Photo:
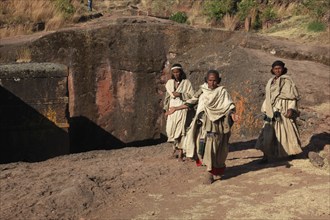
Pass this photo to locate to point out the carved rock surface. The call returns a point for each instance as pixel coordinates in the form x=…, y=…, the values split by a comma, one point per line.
x=34, y=102
x=118, y=67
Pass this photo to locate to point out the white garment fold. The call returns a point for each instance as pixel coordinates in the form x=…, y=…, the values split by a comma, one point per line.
x=175, y=125
x=215, y=103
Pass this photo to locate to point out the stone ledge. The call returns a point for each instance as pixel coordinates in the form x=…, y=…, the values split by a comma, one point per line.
x=32, y=70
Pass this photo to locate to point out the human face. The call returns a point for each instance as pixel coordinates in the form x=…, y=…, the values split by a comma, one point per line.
x=176, y=74
x=277, y=70
x=212, y=81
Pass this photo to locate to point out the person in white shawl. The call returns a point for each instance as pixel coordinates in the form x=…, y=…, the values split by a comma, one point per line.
x=178, y=90
x=280, y=137
x=208, y=135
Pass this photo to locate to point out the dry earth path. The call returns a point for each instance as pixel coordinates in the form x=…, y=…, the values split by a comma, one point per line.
x=144, y=183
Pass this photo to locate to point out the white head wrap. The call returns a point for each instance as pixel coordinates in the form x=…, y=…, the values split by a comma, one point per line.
x=176, y=67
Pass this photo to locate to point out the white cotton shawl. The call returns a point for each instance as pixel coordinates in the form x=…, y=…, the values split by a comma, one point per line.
x=286, y=89
x=176, y=121
x=215, y=103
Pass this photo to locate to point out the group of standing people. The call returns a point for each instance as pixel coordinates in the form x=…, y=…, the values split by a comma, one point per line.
x=204, y=138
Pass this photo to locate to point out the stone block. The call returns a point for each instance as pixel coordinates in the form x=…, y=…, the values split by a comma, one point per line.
x=34, y=110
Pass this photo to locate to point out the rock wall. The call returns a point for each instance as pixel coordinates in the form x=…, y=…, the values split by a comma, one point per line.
x=34, y=107
x=115, y=76
x=117, y=69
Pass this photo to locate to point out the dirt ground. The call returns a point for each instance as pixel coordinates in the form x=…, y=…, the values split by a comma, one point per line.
x=145, y=183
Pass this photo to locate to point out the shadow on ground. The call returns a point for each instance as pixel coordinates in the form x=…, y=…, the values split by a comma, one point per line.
x=317, y=143
x=242, y=145
x=251, y=167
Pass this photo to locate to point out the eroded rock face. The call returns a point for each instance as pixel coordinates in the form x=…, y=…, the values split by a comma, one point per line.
x=34, y=106
x=118, y=67
x=115, y=85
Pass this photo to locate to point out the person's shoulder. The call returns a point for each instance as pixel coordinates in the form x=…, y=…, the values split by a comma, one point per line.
x=203, y=86
x=222, y=89
x=169, y=81
x=186, y=81
x=270, y=79
x=287, y=78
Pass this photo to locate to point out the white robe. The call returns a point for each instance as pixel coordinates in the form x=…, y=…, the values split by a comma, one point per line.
x=175, y=125
x=216, y=104
x=280, y=138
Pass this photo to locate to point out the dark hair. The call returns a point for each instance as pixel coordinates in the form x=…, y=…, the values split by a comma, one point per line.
x=213, y=72
x=182, y=73
x=281, y=64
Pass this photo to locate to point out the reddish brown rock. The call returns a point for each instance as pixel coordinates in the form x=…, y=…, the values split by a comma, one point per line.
x=118, y=66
